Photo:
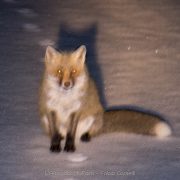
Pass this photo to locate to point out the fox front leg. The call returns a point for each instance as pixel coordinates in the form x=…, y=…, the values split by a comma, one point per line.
x=56, y=137
x=70, y=138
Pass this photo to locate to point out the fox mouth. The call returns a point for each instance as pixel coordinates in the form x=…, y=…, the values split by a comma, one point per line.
x=67, y=88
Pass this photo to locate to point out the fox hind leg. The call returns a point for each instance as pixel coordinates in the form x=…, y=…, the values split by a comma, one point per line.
x=95, y=124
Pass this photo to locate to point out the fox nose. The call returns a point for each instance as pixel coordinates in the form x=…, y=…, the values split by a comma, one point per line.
x=67, y=84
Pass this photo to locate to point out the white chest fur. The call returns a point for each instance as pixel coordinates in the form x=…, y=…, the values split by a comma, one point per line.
x=64, y=102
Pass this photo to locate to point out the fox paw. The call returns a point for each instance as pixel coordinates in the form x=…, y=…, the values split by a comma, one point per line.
x=69, y=146
x=56, y=143
x=55, y=148
x=85, y=137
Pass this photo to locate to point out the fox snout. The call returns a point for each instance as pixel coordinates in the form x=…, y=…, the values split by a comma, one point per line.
x=67, y=85
x=66, y=81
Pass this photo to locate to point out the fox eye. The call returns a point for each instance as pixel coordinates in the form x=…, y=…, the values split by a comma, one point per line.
x=59, y=72
x=73, y=71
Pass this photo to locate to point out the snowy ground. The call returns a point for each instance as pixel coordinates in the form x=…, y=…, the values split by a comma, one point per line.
x=134, y=55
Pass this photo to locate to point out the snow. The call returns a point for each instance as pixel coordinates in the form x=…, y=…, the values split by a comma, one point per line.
x=129, y=48
x=46, y=42
x=10, y=1
x=27, y=12
x=77, y=157
x=122, y=38
x=31, y=27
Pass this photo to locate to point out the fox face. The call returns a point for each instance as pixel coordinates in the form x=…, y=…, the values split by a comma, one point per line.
x=65, y=67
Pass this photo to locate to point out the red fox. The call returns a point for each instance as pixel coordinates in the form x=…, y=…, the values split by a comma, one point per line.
x=70, y=107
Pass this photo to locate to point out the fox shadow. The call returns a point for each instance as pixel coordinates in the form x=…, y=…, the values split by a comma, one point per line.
x=70, y=39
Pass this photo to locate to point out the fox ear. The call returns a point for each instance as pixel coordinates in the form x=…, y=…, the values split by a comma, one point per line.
x=80, y=54
x=51, y=53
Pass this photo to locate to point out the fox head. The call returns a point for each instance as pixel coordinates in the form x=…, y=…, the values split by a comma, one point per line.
x=66, y=67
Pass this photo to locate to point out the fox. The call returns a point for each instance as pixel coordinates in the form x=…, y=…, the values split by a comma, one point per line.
x=70, y=107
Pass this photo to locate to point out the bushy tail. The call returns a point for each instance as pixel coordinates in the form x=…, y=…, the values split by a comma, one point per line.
x=135, y=122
